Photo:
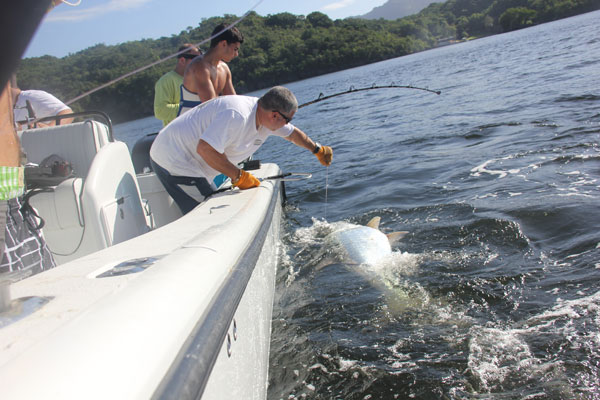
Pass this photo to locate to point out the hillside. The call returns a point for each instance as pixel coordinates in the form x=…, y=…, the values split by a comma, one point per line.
x=395, y=9
x=280, y=48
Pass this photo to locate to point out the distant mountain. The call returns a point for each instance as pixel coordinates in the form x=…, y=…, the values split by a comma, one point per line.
x=395, y=9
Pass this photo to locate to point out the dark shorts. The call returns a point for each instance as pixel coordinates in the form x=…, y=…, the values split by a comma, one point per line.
x=24, y=247
x=184, y=201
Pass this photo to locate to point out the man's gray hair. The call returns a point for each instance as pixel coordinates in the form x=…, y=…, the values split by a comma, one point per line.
x=280, y=99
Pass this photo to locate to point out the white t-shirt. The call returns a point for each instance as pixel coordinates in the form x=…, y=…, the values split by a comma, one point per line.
x=227, y=123
x=43, y=104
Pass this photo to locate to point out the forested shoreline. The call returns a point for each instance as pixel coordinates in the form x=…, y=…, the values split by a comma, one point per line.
x=281, y=48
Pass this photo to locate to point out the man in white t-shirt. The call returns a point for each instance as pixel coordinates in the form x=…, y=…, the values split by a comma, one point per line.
x=41, y=104
x=215, y=136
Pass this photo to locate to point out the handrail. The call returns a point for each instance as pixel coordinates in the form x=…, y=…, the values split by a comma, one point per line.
x=188, y=375
x=92, y=114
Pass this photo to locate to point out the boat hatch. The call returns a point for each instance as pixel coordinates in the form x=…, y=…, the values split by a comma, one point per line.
x=130, y=267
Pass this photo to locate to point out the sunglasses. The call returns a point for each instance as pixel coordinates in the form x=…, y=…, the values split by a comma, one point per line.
x=287, y=119
x=188, y=56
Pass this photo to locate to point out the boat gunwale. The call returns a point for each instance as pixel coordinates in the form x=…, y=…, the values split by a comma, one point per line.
x=188, y=375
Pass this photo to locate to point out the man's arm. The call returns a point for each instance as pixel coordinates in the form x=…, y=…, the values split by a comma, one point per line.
x=217, y=160
x=65, y=121
x=10, y=148
x=301, y=139
x=228, y=89
x=323, y=153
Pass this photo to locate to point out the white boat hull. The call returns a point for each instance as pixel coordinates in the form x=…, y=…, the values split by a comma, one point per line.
x=195, y=323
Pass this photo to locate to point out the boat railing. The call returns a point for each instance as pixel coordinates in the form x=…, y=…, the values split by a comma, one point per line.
x=92, y=114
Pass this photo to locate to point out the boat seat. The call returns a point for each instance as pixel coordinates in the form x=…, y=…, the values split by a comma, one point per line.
x=77, y=143
x=101, y=205
x=61, y=208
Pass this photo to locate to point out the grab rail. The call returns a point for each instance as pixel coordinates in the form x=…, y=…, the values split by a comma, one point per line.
x=85, y=114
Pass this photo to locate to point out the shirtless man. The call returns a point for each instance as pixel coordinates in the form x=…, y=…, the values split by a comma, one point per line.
x=209, y=76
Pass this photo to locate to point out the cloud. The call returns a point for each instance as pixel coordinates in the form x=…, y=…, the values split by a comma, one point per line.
x=337, y=5
x=77, y=14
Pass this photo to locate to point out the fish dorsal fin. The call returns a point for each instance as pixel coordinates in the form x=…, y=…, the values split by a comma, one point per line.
x=374, y=223
x=395, y=236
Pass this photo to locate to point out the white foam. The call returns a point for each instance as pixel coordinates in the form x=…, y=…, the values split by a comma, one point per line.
x=501, y=357
x=482, y=169
x=319, y=366
x=496, y=355
x=346, y=365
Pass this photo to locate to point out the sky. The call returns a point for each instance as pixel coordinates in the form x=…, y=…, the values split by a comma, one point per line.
x=68, y=29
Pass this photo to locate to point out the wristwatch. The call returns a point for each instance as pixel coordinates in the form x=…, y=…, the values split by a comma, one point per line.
x=317, y=147
x=237, y=180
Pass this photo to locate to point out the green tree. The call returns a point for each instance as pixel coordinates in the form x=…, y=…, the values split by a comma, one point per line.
x=319, y=20
x=517, y=18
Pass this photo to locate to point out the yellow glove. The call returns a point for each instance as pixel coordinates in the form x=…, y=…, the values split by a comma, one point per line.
x=324, y=154
x=245, y=181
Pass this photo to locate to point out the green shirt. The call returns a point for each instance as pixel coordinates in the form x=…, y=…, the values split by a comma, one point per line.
x=11, y=182
x=167, y=96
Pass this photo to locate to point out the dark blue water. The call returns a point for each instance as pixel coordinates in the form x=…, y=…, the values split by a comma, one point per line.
x=495, y=292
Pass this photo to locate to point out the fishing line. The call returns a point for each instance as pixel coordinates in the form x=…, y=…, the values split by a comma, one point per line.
x=127, y=75
x=326, y=188
x=353, y=90
x=71, y=4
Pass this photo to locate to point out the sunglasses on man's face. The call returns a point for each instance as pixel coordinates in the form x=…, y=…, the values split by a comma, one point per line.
x=286, y=118
x=189, y=56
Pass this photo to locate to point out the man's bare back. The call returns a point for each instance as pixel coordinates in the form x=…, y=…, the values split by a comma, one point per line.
x=208, y=80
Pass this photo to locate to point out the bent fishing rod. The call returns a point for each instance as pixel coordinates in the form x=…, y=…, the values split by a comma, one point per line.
x=352, y=89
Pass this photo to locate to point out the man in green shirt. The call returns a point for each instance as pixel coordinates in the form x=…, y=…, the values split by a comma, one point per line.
x=167, y=88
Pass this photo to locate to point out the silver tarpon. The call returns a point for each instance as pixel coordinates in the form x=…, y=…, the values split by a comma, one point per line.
x=364, y=244
x=368, y=252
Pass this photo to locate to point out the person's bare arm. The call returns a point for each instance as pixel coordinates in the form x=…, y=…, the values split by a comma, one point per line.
x=65, y=121
x=323, y=153
x=9, y=140
x=301, y=139
x=228, y=89
x=217, y=160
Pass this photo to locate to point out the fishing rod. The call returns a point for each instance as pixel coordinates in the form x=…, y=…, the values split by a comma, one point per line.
x=285, y=177
x=289, y=177
x=353, y=90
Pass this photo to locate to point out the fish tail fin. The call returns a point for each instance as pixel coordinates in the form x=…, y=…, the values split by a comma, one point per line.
x=395, y=236
x=374, y=222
